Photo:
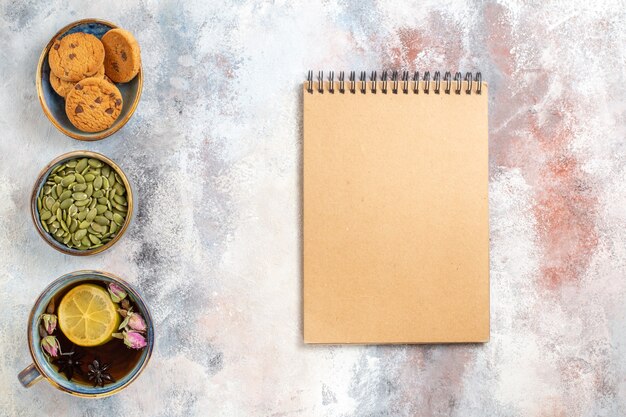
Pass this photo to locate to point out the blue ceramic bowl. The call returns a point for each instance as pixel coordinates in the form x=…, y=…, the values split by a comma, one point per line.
x=54, y=105
x=41, y=368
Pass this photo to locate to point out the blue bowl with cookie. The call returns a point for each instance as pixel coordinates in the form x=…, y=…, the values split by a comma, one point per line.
x=89, y=79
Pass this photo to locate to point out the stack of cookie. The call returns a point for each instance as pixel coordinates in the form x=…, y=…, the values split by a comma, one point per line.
x=84, y=70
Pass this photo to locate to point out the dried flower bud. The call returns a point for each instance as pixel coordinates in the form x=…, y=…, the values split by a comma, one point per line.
x=50, y=308
x=116, y=292
x=134, y=340
x=51, y=346
x=42, y=331
x=136, y=322
x=49, y=322
x=122, y=312
x=125, y=304
x=118, y=335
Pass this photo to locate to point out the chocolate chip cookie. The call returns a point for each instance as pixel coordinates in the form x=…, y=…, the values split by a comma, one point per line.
x=76, y=56
x=93, y=105
x=62, y=87
x=122, y=56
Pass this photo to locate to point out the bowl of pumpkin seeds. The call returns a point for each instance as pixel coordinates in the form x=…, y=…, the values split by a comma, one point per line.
x=82, y=203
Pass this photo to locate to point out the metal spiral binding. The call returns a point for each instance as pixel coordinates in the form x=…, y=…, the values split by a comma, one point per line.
x=469, y=80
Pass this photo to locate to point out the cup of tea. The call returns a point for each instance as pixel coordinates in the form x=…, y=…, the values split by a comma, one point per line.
x=90, y=334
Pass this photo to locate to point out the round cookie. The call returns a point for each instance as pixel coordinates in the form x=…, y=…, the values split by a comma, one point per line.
x=62, y=87
x=76, y=56
x=93, y=105
x=122, y=58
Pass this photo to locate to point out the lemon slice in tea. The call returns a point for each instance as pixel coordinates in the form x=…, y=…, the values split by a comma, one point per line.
x=87, y=316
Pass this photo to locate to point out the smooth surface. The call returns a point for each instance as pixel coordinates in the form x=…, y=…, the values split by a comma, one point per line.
x=395, y=216
x=213, y=154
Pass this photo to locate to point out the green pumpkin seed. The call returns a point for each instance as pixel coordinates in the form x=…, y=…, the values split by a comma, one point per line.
x=81, y=165
x=68, y=180
x=79, y=234
x=102, y=221
x=81, y=203
x=120, y=199
x=118, y=219
x=65, y=195
x=64, y=226
x=97, y=183
x=65, y=204
x=119, y=188
x=44, y=215
x=92, y=214
x=120, y=207
x=121, y=213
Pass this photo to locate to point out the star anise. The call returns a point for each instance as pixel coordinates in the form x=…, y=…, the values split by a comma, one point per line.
x=69, y=363
x=98, y=373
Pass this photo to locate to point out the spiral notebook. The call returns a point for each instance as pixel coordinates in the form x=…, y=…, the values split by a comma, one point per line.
x=395, y=210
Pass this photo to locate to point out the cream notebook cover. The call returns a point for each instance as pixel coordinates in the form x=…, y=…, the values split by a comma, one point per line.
x=395, y=214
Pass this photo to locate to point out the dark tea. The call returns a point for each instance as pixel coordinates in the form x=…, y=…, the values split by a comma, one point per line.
x=92, y=333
